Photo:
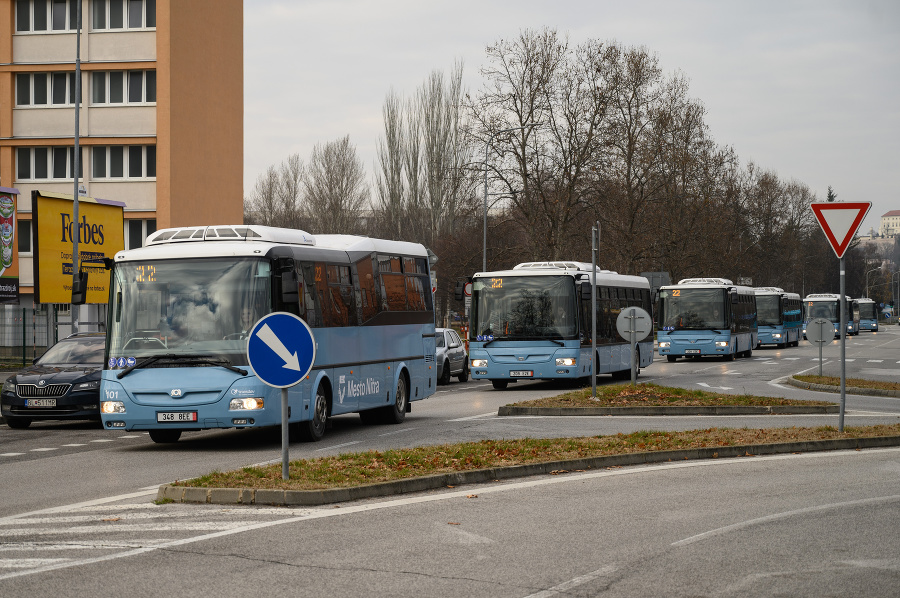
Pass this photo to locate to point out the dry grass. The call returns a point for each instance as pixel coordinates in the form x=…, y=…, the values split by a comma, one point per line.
x=648, y=394
x=355, y=469
x=855, y=382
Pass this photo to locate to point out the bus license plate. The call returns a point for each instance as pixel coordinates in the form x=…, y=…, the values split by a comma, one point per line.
x=690, y=351
x=521, y=374
x=40, y=402
x=177, y=416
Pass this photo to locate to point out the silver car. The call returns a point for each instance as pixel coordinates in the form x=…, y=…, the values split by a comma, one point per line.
x=451, y=357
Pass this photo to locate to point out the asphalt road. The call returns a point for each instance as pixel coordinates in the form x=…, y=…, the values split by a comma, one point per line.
x=78, y=517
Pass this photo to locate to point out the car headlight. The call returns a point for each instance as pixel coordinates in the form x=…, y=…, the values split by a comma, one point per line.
x=565, y=361
x=9, y=386
x=112, y=407
x=479, y=363
x=246, y=404
x=721, y=343
x=92, y=385
x=664, y=344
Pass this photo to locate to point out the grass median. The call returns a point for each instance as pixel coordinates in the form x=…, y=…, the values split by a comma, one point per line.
x=370, y=467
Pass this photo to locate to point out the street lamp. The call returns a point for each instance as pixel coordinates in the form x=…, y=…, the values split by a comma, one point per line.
x=487, y=146
x=867, y=279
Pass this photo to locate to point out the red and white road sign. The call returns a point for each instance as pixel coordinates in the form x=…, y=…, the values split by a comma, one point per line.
x=839, y=221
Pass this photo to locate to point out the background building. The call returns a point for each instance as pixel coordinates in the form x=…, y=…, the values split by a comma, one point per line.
x=890, y=224
x=161, y=121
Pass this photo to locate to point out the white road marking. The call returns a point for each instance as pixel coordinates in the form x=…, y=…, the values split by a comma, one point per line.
x=39, y=450
x=565, y=586
x=328, y=448
x=11, y=454
x=463, y=419
x=76, y=444
x=881, y=500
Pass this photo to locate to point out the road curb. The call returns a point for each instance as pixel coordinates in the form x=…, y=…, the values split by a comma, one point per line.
x=510, y=410
x=253, y=496
x=855, y=390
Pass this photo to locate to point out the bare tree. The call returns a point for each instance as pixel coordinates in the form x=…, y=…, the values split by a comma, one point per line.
x=335, y=189
x=389, y=180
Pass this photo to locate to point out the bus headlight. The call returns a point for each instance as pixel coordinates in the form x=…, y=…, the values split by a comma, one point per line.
x=246, y=404
x=112, y=407
x=721, y=343
x=479, y=363
x=664, y=344
x=565, y=361
x=776, y=335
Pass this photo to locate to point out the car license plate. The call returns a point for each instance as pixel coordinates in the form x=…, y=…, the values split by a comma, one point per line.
x=690, y=351
x=521, y=374
x=177, y=416
x=40, y=402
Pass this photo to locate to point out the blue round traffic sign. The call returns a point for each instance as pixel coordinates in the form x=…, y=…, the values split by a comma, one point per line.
x=281, y=349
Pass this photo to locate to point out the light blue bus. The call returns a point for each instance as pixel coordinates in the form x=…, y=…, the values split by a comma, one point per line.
x=534, y=323
x=779, y=317
x=828, y=306
x=180, y=309
x=705, y=317
x=868, y=314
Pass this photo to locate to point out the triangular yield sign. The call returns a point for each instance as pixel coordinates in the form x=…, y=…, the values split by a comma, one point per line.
x=839, y=221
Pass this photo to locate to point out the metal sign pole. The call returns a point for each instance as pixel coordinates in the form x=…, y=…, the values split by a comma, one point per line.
x=595, y=243
x=633, y=339
x=843, y=346
x=285, y=437
x=821, y=344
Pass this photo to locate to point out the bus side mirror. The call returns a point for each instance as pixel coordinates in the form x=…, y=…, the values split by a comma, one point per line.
x=79, y=288
x=586, y=291
x=290, y=292
x=459, y=291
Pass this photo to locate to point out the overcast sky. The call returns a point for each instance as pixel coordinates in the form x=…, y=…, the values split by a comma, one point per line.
x=808, y=89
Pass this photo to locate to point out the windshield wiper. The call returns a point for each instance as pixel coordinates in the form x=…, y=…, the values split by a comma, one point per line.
x=191, y=359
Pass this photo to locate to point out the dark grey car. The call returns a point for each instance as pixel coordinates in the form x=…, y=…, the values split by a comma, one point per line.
x=452, y=358
x=63, y=383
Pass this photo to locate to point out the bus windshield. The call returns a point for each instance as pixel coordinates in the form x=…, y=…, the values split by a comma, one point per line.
x=187, y=307
x=524, y=307
x=692, y=309
x=829, y=310
x=868, y=311
x=768, y=310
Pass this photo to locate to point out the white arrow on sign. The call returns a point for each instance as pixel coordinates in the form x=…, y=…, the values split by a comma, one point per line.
x=266, y=335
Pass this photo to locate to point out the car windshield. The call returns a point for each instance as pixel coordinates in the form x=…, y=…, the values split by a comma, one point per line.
x=75, y=351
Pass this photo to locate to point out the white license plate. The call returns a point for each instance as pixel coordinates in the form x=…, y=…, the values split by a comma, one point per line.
x=40, y=402
x=521, y=374
x=177, y=416
x=690, y=351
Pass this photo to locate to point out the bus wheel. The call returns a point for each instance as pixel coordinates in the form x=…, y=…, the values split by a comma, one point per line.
x=165, y=436
x=499, y=384
x=671, y=358
x=394, y=414
x=313, y=430
x=729, y=357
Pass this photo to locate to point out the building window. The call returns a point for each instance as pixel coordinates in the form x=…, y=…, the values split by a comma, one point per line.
x=123, y=161
x=45, y=163
x=137, y=231
x=41, y=89
x=24, y=234
x=36, y=16
x=123, y=14
x=110, y=87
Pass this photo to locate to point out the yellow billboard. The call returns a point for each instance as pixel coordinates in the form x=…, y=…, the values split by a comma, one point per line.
x=101, y=231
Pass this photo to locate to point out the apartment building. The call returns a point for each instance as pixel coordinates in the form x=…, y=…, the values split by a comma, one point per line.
x=161, y=117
